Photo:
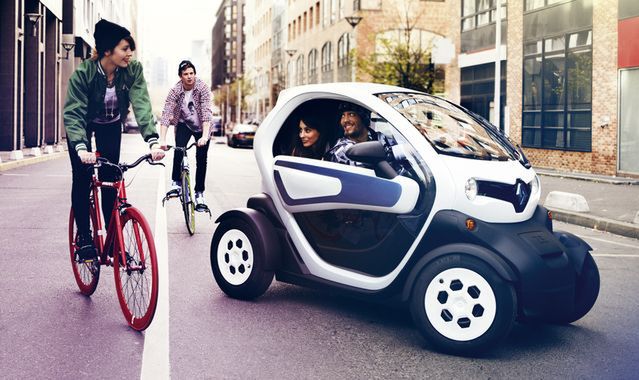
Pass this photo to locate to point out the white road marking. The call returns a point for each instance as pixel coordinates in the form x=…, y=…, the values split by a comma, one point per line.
x=15, y=174
x=611, y=242
x=155, y=358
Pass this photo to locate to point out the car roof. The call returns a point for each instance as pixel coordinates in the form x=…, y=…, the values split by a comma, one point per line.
x=349, y=89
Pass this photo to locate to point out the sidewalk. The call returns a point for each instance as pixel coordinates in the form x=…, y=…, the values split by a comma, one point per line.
x=7, y=163
x=613, y=201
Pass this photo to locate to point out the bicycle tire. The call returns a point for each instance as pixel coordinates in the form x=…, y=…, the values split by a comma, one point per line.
x=137, y=289
x=86, y=275
x=188, y=204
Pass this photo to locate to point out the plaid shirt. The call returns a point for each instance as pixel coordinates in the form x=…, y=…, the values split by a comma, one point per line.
x=173, y=104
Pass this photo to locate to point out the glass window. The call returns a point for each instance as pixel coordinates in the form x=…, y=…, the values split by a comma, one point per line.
x=477, y=13
x=312, y=66
x=342, y=50
x=557, y=92
x=327, y=59
x=449, y=129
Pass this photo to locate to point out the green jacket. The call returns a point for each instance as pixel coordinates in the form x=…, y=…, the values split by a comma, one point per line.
x=85, y=97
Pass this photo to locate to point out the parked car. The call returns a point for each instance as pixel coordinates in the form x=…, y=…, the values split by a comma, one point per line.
x=241, y=135
x=445, y=218
x=216, y=126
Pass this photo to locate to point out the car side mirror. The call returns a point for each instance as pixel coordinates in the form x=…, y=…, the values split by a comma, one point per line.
x=374, y=154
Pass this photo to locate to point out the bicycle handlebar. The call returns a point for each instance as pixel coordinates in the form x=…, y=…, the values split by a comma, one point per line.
x=123, y=166
x=180, y=148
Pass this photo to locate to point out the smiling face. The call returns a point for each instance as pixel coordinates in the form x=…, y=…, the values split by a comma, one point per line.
x=121, y=54
x=353, y=126
x=308, y=135
x=188, y=78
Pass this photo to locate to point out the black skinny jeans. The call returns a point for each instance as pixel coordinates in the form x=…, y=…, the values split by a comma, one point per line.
x=182, y=136
x=107, y=139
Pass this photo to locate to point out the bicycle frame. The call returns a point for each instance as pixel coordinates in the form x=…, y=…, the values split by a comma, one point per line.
x=107, y=242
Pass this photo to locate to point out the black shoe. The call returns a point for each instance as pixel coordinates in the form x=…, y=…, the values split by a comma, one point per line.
x=85, y=249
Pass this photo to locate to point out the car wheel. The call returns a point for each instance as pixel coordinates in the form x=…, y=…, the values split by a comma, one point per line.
x=238, y=260
x=586, y=292
x=461, y=305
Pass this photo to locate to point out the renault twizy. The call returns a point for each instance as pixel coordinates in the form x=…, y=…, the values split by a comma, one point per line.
x=443, y=216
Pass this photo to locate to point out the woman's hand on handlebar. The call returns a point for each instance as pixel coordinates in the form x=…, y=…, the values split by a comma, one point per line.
x=86, y=157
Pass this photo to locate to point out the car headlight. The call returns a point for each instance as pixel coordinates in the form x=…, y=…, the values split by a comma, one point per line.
x=471, y=189
x=535, y=185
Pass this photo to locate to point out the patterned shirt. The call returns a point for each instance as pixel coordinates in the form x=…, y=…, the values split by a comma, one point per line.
x=201, y=100
x=338, y=152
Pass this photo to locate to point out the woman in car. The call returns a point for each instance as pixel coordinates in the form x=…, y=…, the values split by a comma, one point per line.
x=311, y=140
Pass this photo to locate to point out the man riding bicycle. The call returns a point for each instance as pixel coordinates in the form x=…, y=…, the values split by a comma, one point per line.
x=188, y=107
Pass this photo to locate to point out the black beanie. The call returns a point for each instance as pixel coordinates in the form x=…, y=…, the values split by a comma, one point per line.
x=363, y=113
x=108, y=35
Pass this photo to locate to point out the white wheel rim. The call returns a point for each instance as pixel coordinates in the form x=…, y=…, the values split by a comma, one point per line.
x=460, y=304
x=235, y=257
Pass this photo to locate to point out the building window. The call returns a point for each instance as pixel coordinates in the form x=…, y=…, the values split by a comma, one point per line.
x=536, y=4
x=557, y=92
x=327, y=59
x=342, y=50
x=312, y=66
x=478, y=13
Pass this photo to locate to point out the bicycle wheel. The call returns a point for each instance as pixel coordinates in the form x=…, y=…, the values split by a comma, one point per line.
x=86, y=274
x=136, y=280
x=188, y=203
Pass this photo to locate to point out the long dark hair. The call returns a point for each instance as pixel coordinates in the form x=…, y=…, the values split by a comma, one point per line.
x=318, y=149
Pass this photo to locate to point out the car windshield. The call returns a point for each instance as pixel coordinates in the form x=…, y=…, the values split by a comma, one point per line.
x=449, y=129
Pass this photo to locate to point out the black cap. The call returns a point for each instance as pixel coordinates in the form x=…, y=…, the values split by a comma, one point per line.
x=185, y=65
x=108, y=35
x=363, y=113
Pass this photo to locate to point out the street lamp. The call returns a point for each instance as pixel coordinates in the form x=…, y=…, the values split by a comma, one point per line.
x=227, y=81
x=33, y=19
x=68, y=46
x=290, y=52
x=353, y=21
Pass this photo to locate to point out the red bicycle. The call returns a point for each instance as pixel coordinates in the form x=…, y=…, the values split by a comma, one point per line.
x=128, y=247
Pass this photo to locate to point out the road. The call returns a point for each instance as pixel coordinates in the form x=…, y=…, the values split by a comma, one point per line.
x=49, y=330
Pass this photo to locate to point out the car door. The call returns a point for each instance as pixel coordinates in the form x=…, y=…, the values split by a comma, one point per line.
x=350, y=217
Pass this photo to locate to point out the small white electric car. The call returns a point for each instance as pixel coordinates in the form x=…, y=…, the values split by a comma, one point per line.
x=444, y=216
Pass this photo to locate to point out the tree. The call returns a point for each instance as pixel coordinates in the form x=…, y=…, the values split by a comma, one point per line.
x=400, y=60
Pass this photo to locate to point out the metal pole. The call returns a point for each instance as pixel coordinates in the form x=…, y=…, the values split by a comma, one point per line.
x=497, y=100
x=239, y=99
x=226, y=109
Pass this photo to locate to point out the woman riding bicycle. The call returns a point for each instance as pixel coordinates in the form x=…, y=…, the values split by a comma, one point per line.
x=97, y=103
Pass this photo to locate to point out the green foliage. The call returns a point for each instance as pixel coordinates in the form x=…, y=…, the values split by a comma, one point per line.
x=397, y=63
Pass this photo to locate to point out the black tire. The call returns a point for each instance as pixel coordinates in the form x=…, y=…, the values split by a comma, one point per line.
x=238, y=259
x=188, y=203
x=461, y=305
x=586, y=292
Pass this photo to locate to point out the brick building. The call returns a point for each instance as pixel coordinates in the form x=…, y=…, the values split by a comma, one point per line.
x=568, y=67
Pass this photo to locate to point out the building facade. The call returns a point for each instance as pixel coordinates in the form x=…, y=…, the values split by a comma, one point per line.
x=30, y=47
x=567, y=70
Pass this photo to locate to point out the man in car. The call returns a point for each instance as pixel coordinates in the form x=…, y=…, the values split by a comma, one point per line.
x=355, y=121
x=188, y=107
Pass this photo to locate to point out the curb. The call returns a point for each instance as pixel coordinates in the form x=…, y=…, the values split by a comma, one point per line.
x=616, y=227
x=589, y=177
x=4, y=166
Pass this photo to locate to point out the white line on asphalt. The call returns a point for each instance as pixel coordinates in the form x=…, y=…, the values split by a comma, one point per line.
x=613, y=255
x=611, y=242
x=15, y=174
x=155, y=358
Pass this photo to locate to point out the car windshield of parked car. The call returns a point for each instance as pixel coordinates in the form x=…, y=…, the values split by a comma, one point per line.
x=449, y=129
x=244, y=128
